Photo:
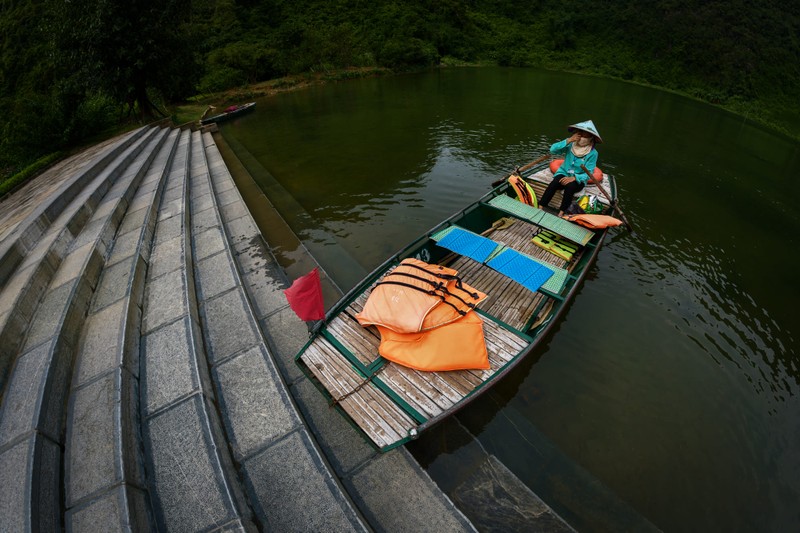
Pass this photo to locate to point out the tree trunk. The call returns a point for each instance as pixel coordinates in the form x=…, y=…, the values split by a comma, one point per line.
x=142, y=101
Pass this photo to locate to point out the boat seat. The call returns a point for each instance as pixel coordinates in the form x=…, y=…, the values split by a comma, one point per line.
x=541, y=218
x=521, y=269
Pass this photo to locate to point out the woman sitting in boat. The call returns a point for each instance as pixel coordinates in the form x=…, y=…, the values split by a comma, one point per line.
x=578, y=149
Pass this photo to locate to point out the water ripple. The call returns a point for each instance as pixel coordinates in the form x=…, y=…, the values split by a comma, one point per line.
x=695, y=285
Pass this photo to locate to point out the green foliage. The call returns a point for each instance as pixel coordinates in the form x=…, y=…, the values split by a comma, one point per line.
x=7, y=184
x=123, y=48
x=96, y=113
x=562, y=30
x=405, y=53
x=237, y=63
x=30, y=125
x=219, y=78
x=68, y=69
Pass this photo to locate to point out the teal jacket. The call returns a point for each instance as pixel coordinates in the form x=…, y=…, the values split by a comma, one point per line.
x=574, y=163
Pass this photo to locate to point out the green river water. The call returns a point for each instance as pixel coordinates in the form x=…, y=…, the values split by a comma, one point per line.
x=672, y=382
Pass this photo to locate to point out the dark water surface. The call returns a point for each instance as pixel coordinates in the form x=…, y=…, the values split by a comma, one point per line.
x=674, y=378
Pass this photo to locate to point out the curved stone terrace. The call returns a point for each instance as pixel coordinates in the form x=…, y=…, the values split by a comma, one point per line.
x=146, y=373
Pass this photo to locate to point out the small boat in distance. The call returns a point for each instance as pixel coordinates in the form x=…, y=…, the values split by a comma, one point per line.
x=229, y=113
x=521, y=265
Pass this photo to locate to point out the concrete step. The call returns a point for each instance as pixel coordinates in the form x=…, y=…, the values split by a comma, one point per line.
x=279, y=458
x=16, y=205
x=146, y=350
x=104, y=473
x=34, y=403
x=28, y=278
x=191, y=478
x=25, y=232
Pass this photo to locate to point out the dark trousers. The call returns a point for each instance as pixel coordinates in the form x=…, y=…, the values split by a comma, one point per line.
x=569, y=191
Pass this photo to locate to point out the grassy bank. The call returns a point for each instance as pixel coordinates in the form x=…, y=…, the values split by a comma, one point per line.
x=191, y=110
x=34, y=169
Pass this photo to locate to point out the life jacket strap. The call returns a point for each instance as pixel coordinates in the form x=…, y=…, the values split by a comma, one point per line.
x=431, y=292
x=439, y=286
x=449, y=277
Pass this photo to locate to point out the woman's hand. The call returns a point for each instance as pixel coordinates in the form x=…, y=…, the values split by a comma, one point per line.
x=573, y=138
x=566, y=180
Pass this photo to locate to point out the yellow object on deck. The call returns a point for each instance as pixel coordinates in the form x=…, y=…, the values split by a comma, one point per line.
x=554, y=244
x=525, y=192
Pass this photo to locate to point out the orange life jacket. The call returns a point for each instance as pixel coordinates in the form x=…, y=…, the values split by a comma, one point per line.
x=417, y=296
x=594, y=221
x=459, y=345
x=525, y=192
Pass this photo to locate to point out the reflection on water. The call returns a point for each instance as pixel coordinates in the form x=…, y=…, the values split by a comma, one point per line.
x=693, y=285
x=688, y=393
x=674, y=377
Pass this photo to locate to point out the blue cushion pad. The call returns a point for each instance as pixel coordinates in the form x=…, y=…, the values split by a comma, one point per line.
x=521, y=269
x=468, y=244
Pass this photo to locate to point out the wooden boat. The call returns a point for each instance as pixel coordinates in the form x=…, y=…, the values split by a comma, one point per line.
x=240, y=110
x=391, y=403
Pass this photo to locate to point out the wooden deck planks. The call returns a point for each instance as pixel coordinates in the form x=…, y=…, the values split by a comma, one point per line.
x=519, y=235
x=416, y=390
x=357, y=339
x=384, y=410
x=507, y=300
x=506, y=344
x=328, y=371
x=382, y=421
x=429, y=393
x=446, y=389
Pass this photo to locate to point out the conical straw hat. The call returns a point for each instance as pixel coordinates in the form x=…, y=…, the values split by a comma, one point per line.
x=587, y=126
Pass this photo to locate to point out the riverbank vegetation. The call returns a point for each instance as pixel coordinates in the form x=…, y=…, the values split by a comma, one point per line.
x=71, y=70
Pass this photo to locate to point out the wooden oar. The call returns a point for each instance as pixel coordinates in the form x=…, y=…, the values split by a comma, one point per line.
x=519, y=170
x=613, y=203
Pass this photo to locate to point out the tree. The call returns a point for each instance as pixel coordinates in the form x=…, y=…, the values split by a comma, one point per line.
x=124, y=49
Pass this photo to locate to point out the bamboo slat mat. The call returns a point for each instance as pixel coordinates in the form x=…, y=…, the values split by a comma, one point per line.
x=429, y=393
x=554, y=284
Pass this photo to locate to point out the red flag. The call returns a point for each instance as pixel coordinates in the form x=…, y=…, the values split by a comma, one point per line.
x=305, y=297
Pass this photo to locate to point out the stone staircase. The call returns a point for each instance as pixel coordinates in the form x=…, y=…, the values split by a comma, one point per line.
x=140, y=389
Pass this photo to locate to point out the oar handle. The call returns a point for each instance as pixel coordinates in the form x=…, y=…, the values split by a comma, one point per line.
x=611, y=201
x=532, y=163
x=519, y=170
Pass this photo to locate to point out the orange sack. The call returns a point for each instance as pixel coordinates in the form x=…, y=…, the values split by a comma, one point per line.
x=459, y=345
x=417, y=296
x=594, y=221
x=425, y=317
